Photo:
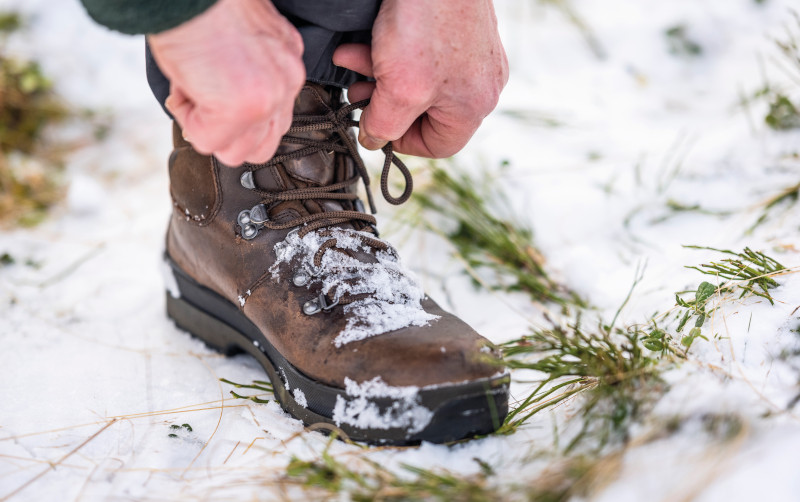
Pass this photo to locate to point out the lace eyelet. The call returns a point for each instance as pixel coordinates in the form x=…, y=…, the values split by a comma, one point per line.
x=318, y=305
x=304, y=274
x=247, y=181
x=244, y=218
x=259, y=215
x=301, y=277
x=311, y=307
x=252, y=220
x=249, y=232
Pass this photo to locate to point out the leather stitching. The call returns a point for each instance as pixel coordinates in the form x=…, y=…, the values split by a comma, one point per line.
x=202, y=220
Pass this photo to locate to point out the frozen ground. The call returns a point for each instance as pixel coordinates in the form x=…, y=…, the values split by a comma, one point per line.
x=93, y=374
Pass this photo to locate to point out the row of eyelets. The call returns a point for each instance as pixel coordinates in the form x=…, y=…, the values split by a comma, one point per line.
x=252, y=220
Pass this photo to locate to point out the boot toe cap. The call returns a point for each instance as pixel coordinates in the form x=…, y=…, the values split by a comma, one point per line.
x=444, y=351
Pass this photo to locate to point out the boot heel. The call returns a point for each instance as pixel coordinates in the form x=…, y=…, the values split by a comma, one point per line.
x=213, y=332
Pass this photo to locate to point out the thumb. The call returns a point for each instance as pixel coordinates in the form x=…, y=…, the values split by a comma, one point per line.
x=390, y=114
x=394, y=105
x=179, y=106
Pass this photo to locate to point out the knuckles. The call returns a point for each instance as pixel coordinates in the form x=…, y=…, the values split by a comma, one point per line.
x=406, y=92
x=295, y=41
x=487, y=101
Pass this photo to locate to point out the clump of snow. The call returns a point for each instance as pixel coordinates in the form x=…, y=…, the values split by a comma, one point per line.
x=395, y=295
x=243, y=298
x=285, y=380
x=300, y=397
x=362, y=412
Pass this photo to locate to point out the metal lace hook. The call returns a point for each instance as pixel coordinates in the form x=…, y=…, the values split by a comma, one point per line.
x=319, y=304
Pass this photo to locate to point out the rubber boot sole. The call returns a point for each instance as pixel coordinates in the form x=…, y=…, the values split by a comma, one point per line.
x=394, y=416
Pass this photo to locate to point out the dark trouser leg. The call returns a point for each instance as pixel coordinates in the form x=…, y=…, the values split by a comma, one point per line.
x=157, y=81
x=323, y=26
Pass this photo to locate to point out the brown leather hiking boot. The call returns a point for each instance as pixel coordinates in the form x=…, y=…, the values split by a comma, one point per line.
x=280, y=260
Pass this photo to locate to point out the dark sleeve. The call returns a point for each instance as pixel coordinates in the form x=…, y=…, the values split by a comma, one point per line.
x=144, y=16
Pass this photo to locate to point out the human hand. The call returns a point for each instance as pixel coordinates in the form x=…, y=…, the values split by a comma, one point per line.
x=439, y=68
x=234, y=71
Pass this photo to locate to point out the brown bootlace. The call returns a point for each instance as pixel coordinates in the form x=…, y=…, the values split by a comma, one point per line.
x=339, y=122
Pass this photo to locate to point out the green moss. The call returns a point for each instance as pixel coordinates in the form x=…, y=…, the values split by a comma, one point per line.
x=30, y=167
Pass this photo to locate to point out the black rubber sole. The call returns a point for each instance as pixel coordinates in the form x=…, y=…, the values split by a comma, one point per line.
x=437, y=414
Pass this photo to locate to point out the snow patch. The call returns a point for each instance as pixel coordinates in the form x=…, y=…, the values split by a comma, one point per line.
x=300, y=397
x=395, y=293
x=358, y=410
x=85, y=195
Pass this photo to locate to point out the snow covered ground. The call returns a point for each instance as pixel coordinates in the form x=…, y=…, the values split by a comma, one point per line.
x=602, y=138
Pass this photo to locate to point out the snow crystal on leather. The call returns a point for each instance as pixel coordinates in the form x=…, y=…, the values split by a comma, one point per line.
x=395, y=294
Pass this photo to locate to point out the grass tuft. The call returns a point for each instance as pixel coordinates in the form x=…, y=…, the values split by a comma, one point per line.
x=481, y=227
x=616, y=371
x=371, y=481
x=362, y=479
x=784, y=112
x=750, y=273
x=259, y=385
x=747, y=273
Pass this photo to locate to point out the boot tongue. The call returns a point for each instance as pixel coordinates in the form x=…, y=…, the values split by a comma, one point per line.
x=320, y=168
x=315, y=99
x=317, y=169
